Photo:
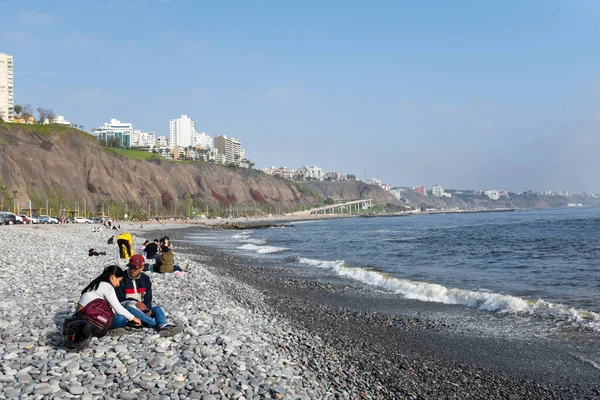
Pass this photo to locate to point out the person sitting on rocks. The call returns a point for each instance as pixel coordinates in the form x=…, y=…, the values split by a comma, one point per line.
x=111, y=240
x=143, y=248
x=167, y=261
x=103, y=287
x=152, y=250
x=135, y=293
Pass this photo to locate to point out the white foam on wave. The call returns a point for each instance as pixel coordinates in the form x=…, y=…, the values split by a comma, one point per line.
x=262, y=249
x=242, y=235
x=254, y=241
x=487, y=301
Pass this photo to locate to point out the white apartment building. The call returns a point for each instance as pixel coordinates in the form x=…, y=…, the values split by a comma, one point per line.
x=203, y=140
x=437, y=191
x=333, y=176
x=311, y=172
x=162, y=142
x=373, y=181
x=216, y=156
x=231, y=148
x=7, y=93
x=142, y=139
x=59, y=120
x=117, y=130
x=492, y=194
x=182, y=131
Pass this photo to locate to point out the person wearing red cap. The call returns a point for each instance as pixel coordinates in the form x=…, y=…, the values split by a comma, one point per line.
x=135, y=294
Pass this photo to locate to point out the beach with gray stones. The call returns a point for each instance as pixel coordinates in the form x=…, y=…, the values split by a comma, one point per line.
x=227, y=350
x=249, y=333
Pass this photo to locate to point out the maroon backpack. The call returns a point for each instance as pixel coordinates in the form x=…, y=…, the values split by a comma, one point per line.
x=99, y=314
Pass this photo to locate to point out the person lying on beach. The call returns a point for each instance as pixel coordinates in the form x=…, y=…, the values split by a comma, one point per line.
x=103, y=287
x=93, y=252
x=135, y=294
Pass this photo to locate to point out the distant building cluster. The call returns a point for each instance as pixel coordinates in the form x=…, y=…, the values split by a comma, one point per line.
x=183, y=143
x=314, y=173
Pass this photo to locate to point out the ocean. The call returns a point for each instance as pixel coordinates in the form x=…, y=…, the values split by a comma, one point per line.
x=537, y=272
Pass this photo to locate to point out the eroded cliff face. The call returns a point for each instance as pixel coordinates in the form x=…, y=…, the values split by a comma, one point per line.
x=66, y=166
x=350, y=190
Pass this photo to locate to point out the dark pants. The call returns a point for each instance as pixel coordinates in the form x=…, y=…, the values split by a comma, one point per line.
x=124, y=248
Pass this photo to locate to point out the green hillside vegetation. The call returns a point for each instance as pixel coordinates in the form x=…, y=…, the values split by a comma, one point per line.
x=47, y=130
x=141, y=155
x=138, y=155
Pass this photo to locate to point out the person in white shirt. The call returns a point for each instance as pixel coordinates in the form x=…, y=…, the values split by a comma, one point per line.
x=103, y=287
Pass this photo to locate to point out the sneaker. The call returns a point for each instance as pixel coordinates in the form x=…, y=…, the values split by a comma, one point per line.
x=116, y=332
x=169, y=330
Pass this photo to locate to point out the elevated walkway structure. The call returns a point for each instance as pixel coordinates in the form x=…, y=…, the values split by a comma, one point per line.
x=348, y=207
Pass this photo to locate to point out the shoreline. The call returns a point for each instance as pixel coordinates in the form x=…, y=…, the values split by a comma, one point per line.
x=251, y=332
x=400, y=345
x=285, y=219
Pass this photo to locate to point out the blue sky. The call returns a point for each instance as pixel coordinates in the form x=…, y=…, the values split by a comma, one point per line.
x=465, y=94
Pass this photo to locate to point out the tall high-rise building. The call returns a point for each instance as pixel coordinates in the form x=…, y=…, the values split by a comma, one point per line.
x=7, y=93
x=231, y=148
x=182, y=131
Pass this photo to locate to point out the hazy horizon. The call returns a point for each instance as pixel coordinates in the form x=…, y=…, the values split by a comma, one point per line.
x=467, y=95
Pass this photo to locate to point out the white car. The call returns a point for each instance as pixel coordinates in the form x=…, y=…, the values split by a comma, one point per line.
x=45, y=219
x=82, y=220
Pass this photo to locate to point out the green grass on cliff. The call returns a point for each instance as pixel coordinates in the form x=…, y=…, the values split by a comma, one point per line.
x=138, y=155
x=47, y=130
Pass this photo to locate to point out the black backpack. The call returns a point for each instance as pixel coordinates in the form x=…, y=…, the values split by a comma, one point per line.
x=76, y=334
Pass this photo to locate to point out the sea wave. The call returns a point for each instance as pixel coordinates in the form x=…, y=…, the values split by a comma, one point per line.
x=254, y=241
x=431, y=292
x=262, y=249
x=242, y=235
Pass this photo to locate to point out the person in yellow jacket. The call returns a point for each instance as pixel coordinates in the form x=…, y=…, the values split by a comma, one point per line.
x=125, y=242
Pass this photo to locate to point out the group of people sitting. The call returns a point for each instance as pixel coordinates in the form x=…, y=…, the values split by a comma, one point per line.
x=161, y=251
x=129, y=294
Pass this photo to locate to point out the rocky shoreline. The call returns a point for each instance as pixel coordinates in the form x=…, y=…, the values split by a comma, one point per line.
x=250, y=332
x=408, y=354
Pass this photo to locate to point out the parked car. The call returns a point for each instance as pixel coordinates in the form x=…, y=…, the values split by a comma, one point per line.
x=35, y=219
x=45, y=219
x=82, y=220
x=26, y=218
x=8, y=218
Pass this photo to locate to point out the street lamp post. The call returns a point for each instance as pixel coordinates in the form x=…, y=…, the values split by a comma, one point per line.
x=15, y=201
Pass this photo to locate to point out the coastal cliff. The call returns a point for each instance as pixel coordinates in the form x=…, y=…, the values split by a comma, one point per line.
x=69, y=169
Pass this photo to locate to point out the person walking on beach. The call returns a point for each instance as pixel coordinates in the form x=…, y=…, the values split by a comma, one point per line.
x=135, y=294
x=103, y=287
x=125, y=242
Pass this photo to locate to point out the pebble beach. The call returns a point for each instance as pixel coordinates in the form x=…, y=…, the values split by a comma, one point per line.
x=248, y=334
x=227, y=350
